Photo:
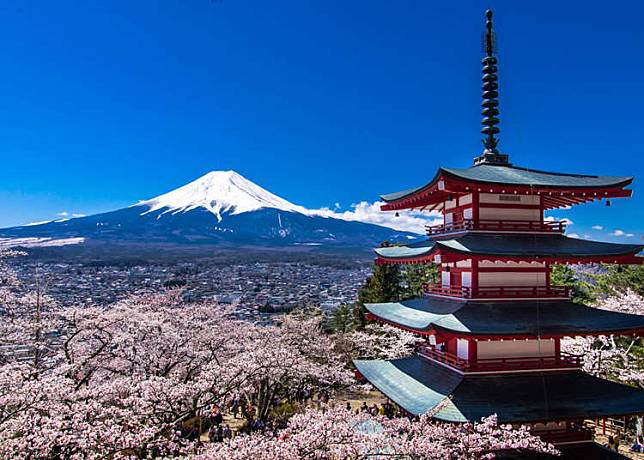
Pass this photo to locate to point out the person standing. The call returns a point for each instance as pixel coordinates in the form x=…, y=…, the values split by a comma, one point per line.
x=227, y=432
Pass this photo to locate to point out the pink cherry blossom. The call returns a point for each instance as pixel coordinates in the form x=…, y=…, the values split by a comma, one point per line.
x=337, y=433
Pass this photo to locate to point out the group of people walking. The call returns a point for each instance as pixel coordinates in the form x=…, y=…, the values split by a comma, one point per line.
x=387, y=409
x=218, y=431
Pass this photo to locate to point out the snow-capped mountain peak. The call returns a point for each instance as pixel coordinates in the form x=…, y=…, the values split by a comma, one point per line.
x=220, y=192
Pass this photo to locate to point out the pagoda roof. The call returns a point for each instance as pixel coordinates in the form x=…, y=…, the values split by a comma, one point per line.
x=509, y=246
x=553, y=318
x=418, y=385
x=516, y=176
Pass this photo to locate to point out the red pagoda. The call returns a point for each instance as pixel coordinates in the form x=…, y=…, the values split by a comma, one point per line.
x=492, y=327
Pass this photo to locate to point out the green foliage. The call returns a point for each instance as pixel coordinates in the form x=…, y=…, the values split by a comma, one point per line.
x=564, y=275
x=342, y=319
x=284, y=411
x=382, y=286
x=413, y=277
x=615, y=280
x=619, y=278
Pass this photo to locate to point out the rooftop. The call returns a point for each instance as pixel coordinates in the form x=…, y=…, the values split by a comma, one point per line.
x=515, y=175
x=524, y=318
x=512, y=246
x=418, y=385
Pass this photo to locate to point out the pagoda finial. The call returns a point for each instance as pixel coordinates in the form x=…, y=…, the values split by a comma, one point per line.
x=490, y=104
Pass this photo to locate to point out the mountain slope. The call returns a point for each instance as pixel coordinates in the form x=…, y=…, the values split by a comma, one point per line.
x=220, y=208
x=219, y=192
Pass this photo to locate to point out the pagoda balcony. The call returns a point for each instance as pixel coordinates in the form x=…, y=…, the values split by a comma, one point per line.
x=500, y=292
x=518, y=363
x=528, y=226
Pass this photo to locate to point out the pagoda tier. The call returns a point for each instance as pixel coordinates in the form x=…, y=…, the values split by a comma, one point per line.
x=510, y=247
x=552, y=190
x=418, y=385
x=430, y=315
x=490, y=331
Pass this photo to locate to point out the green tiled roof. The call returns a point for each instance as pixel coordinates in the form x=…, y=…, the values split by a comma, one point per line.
x=505, y=318
x=402, y=381
x=513, y=245
x=514, y=175
x=417, y=385
x=411, y=250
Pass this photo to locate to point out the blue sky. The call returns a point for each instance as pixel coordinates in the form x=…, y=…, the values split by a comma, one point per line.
x=105, y=103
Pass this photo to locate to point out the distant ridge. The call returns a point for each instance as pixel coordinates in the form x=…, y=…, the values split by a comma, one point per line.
x=220, y=208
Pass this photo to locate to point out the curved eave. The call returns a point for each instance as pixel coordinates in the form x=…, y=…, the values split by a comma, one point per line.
x=408, y=391
x=490, y=320
x=402, y=195
x=629, y=259
x=416, y=251
x=559, y=190
x=418, y=385
x=556, y=249
x=526, y=177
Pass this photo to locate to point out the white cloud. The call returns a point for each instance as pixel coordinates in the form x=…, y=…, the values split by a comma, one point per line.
x=557, y=219
x=408, y=221
x=622, y=233
x=69, y=214
x=598, y=227
x=573, y=235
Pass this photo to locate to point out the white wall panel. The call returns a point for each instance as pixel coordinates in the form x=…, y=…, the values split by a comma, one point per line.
x=515, y=348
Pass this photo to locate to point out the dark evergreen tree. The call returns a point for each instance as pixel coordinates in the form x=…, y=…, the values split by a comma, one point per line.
x=414, y=277
x=617, y=279
x=342, y=319
x=564, y=275
x=382, y=286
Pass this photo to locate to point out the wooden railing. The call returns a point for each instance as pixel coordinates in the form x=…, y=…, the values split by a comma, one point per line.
x=527, y=362
x=497, y=225
x=429, y=351
x=563, y=361
x=499, y=292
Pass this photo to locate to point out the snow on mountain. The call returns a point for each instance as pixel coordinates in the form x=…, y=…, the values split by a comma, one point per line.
x=229, y=193
x=221, y=208
x=220, y=192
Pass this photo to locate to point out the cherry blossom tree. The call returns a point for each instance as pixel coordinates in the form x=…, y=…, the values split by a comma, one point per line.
x=8, y=281
x=129, y=379
x=615, y=358
x=336, y=433
x=133, y=380
x=378, y=341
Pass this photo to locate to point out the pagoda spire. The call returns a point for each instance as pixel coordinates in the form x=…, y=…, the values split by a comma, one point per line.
x=490, y=103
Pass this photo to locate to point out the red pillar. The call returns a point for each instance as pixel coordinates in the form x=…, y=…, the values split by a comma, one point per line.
x=557, y=348
x=472, y=351
x=475, y=276
x=547, y=274
x=475, y=208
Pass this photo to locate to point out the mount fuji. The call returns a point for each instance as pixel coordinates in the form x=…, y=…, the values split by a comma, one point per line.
x=221, y=208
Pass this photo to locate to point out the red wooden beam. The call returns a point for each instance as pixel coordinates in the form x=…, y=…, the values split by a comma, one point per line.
x=626, y=259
